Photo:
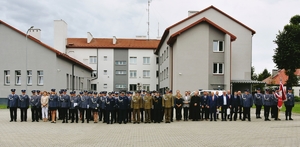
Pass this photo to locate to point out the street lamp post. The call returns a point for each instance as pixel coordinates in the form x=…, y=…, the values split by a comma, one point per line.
x=26, y=56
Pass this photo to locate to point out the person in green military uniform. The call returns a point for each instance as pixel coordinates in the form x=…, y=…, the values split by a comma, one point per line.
x=147, y=107
x=168, y=104
x=136, y=104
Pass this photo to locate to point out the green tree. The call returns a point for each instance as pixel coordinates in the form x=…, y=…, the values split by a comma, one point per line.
x=287, y=52
x=265, y=74
x=253, y=75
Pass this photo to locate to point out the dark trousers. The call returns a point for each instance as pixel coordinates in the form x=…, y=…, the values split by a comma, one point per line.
x=74, y=115
x=23, y=114
x=240, y=112
x=40, y=113
x=196, y=113
x=13, y=113
x=109, y=116
x=148, y=115
x=59, y=113
x=88, y=115
x=63, y=115
x=185, y=113
x=82, y=111
x=172, y=114
x=102, y=115
x=178, y=113
x=213, y=113
x=116, y=115
x=274, y=112
x=205, y=112
x=122, y=114
x=224, y=112
x=258, y=108
x=34, y=114
x=266, y=112
x=162, y=114
x=129, y=115
x=157, y=115
x=142, y=114
x=190, y=112
x=233, y=111
x=246, y=113
x=288, y=112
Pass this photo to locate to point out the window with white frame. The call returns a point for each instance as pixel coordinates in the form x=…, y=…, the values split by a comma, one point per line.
x=94, y=74
x=120, y=62
x=93, y=59
x=133, y=60
x=133, y=73
x=146, y=60
x=120, y=86
x=165, y=75
x=121, y=72
x=218, y=46
x=146, y=87
x=105, y=58
x=218, y=68
x=29, y=77
x=18, y=77
x=40, y=77
x=146, y=73
x=6, y=77
x=167, y=72
x=105, y=72
x=104, y=86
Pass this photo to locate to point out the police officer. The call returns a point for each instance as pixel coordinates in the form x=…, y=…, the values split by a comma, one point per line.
x=110, y=104
x=129, y=110
x=33, y=103
x=123, y=104
x=94, y=104
x=74, y=107
x=247, y=102
x=274, y=105
x=267, y=102
x=39, y=95
x=116, y=111
x=65, y=105
x=102, y=106
x=12, y=104
x=23, y=103
x=168, y=104
x=59, y=108
x=53, y=105
x=258, y=102
x=289, y=104
x=84, y=106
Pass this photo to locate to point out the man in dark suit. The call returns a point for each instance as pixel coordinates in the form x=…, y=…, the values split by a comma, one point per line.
x=224, y=103
x=212, y=106
x=234, y=104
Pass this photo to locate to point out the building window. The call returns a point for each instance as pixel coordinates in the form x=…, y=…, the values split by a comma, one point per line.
x=157, y=60
x=71, y=82
x=218, y=46
x=132, y=60
x=146, y=87
x=94, y=87
x=120, y=86
x=167, y=52
x=105, y=58
x=218, y=68
x=132, y=73
x=146, y=73
x=146, y=60
x=157, y=73
x=167, y=72
x=79, y=83
x=29, y=77
x=132, y=87
x=121, y=72
x=18, y=77
x=40, y=77
x=104, y=86
x=68, y=81
x=93, y=59
x=94, y=74
x=120, y=62
x=105, y=72
x=6, y=77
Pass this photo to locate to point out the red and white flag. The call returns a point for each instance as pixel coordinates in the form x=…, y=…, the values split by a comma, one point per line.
x=281, y=95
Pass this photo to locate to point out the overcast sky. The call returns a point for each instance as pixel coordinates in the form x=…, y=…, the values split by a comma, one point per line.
x=128, y=18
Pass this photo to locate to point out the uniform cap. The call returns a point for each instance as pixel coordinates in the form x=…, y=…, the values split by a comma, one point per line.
x=246, y=90
x=53, y=90
x=85, y=91
x=257, y=88
x=109, y=93
x=23, y=90
x=290, y=88
x=33, y=91
x=104, y=92
x=276, y=88
x=13, y=90
x=80, y=92
x=60, y=92
x=95, y=92
x=38, y=91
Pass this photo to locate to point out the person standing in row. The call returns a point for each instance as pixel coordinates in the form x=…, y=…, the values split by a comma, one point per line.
x=53, y=104
x=33, y=103
x=195, y=106
x=186, y=105
x=247, y=104
x=178, y=106
x=110, y=104
x=224, y=103
x=142, y=109
x=213, y=106
x=234, y=105
x=39, y=107
x=147, y=107
x=289, y=104
x=123, y=104
x=136, y=104
x=94, y=104
x=12, y=104
x=84, y=106
x=204, y=103
x=44, y=105
x=64, y=105
x=74, y=107
x=258, y=102
x=129, y=110
x=157, y=104
x=102, y=113
x=240, y=105
x=168, y=104
x=275, y=105
x=23, y=104
x=59, y=108
x=267, y=102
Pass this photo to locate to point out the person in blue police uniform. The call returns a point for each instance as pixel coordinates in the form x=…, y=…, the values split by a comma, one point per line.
x=224, y=103
x=116, y=111
x=267, y=102
x=12, y=104
x=247, y=102
x=39, y=107
x=258, y=102
x=289, y=104
x=33, y=103
x=110, y=104
x=64, y=105
x=102, y=113
x=94, y=105
x=58, y=107
x=275, y=105
x=23, y=103
x=234, y=104
x=205, y=109
x=74, y=107
x=53, y=105
x=129, y=110
x=157, y=106
x=123, y=104
x=84, y=100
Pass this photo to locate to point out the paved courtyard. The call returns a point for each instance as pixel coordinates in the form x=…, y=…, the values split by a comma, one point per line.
x=188, y=134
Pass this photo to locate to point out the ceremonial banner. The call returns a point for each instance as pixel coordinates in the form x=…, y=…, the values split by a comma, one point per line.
x=281, y=96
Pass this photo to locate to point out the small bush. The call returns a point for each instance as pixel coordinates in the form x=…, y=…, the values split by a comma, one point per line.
x=297, y=99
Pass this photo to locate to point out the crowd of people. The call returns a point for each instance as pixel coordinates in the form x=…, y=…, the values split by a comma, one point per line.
x=145, y=106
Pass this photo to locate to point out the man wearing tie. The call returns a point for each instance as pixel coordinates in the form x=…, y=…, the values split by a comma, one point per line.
x=224, y=103
x=212, y=105
x=12, y=104
x=235, y=102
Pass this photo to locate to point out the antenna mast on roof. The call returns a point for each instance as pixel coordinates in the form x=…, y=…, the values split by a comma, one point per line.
x=148, y=10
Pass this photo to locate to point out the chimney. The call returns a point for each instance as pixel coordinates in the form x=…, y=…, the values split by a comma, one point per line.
x=89, y=37
x=114, y=40
x=274, y=72
x=36, y=33
x=192, y=12
x=60, y=35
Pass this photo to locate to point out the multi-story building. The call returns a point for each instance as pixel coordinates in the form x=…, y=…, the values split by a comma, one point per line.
x=207, y=50
x=27, y=63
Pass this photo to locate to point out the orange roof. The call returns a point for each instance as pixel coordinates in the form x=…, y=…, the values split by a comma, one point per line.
x=275, y=79
x=58, y=53
x=108, y=43
x=173, y=37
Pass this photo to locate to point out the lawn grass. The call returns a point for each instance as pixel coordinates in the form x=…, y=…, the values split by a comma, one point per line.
x=3, y=106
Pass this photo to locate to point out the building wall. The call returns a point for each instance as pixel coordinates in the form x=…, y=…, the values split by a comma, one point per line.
x=164, y=62
x=120, y=55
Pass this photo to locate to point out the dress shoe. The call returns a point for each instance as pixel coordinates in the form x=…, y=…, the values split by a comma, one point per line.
x=290, y=119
